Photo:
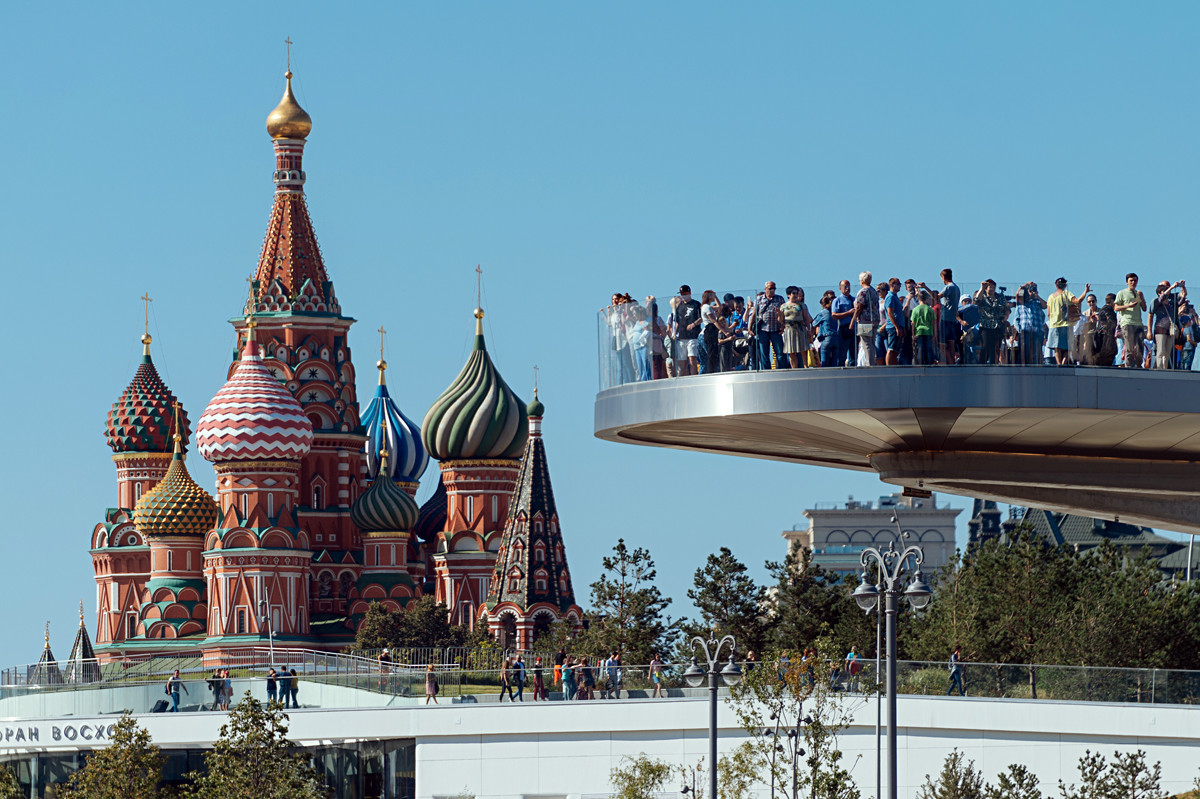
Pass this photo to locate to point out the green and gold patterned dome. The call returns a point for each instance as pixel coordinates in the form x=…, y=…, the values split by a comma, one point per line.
x=478, y=416
x=176, y=505
x=384, y=507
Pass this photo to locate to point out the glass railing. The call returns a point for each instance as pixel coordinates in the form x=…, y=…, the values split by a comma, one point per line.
x=1016, y=324
x=330, y=681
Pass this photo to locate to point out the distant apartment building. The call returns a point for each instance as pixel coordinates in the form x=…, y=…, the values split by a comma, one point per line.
x=838, y=533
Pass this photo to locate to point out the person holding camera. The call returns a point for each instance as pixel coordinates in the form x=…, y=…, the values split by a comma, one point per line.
x=1029, y=318
x=1164, y=321
x=1059, y=308
x=993, y=316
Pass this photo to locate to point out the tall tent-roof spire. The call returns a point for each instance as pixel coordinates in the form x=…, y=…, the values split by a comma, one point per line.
x=291, y=265
x=532, y=525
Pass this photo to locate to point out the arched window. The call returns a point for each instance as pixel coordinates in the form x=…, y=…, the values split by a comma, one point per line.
x=131, y=625
x=470, y=508
x=514, y=585
x=170, y=561
x=317, y=498
x=271, y=505
x=539, y=554
x=245, y=505
x=541, y=585
x=495, y=508
x=137, y=490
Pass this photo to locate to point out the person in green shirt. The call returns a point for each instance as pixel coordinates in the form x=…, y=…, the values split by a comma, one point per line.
x=922, y=328
x=1129, y=306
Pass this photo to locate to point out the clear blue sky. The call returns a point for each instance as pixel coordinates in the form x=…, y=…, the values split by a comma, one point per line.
x=573, y=150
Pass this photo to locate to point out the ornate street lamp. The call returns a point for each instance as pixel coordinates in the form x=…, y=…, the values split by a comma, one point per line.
x=892, y=578
x=731, y=674
x=264, y=613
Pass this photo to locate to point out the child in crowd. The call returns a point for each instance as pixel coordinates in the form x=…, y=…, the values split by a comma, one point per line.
x=922, y=328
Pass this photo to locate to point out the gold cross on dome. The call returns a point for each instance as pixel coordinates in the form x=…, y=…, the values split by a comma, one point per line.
x=145, y=298
x=382, y=333
x=478, y=286
x=288, y=41
x=535, y=379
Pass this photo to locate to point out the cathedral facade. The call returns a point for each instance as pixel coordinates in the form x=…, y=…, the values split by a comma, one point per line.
x=315, y=515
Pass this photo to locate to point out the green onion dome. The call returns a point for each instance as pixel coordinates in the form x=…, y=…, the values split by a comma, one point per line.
x=535, y=408
x=384, y=507
x=176, y=505
x=478, y=416
x=140, y=419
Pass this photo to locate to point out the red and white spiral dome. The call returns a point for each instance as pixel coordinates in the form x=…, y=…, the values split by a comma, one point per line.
x=253, y=417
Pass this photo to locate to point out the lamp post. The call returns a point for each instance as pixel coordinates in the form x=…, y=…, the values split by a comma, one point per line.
x=892, y=578
x=731, y=674
x=264, y=613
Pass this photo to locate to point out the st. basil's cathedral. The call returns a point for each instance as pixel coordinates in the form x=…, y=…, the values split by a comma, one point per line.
x=315, y=514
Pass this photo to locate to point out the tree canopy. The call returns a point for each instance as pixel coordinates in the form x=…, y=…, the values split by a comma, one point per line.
x=253, y=759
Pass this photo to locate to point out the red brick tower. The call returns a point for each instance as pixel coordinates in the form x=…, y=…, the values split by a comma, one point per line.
x=139, y=431
x=477, y=430
x=303, y=338
x=257, y=561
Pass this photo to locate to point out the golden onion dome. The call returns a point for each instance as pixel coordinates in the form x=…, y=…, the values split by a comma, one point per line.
x=289, y=120
x=176, y=505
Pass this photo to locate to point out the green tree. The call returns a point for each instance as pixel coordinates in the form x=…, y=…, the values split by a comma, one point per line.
x=639, y=777
x=130, y=754
x=10, y=788
x=629, y=612
x=423, y=622
x=253, y=759
x=729, y=601
x=793, y=720
x=1127, y=777
x=1003, y=605
x=959, y=780
x=1016, y=783
x=809, y=603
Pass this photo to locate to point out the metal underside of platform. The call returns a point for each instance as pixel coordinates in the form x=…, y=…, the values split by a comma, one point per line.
x=1100, y=442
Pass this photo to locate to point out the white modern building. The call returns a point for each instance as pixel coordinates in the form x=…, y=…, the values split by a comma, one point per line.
x=837, y=534
x=377, y=746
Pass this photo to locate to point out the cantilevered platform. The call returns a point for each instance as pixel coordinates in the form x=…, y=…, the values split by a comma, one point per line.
x=1093, y=441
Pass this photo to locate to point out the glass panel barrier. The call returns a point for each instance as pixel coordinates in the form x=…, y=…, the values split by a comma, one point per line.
x=1010, y=322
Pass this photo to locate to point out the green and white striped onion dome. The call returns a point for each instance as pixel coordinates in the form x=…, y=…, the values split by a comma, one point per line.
x=478, y=416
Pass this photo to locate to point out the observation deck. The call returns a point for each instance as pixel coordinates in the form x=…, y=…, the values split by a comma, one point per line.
x=1095, y=441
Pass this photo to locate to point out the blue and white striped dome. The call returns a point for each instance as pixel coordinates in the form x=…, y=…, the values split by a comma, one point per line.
x=388, y=428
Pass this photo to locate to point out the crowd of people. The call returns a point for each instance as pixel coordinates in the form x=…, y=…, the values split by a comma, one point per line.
x=897, y=322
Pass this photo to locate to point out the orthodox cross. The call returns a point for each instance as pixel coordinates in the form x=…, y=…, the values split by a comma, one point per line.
x=382, y=333
x=47, y=635
x=145, y=298
x=288, y=41
x=478, y=286
x=81, y=613
x=535, y=380
x=175, y=405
